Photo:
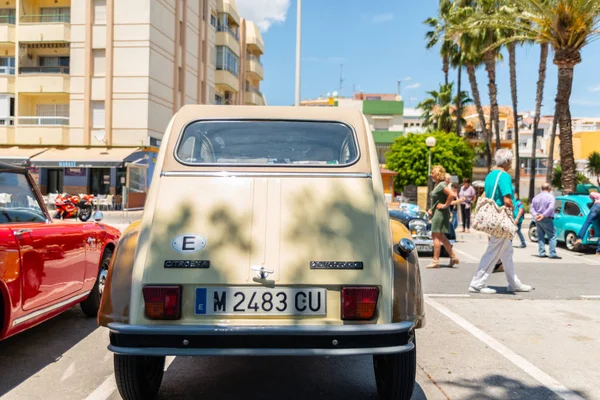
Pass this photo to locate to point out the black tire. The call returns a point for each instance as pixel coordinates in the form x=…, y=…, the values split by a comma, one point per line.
x=91, y=305
x=85, y=214
x=570, y=239
x=138, y=377
x=395, y=374
x=532, y=233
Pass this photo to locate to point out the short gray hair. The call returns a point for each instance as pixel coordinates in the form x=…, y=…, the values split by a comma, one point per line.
x=503, y=156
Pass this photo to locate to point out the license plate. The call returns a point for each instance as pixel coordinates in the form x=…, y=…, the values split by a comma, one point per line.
x=260, y=301
x=424, y=247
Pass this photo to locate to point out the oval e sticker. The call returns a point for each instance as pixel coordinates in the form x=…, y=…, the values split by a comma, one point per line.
x=188, y=243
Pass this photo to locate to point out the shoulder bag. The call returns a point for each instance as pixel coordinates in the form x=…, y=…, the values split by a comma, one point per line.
x=494, y=220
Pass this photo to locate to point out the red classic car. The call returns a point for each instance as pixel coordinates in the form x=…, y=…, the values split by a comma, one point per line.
x=46, y=267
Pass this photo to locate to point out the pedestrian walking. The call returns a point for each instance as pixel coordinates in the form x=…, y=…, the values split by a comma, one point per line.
x=591, y=217
x=542, y=210
x=441, y=196
x=454, y=205
x=498, y=187
x=519, y=217
x=467, y=195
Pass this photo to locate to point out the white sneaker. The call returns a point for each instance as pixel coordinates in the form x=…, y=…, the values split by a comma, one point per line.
x=485, y=290
x=520, y=288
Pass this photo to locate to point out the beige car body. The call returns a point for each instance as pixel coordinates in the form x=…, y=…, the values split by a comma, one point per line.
x=279, y=217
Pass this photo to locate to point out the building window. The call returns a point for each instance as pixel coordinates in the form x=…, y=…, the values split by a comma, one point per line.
x=181, y=33
x=218, y=99
x=8, y=16
x=227, y=60
x=7, y=65
x=202, y=93
x=99, y=12
x=52, y=114
x=223, y=25
x=55, y=14
x=99, y=64
x=213, y=20
x=53, y=64
x=98, y=114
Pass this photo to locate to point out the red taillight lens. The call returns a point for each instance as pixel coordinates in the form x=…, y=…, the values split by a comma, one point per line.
x=359, y=303
x=162, y=302
x=592, y=232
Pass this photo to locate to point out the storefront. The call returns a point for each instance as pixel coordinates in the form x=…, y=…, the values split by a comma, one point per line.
x=122, y=174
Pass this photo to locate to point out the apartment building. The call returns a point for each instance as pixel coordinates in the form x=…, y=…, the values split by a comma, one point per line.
x=87, y=87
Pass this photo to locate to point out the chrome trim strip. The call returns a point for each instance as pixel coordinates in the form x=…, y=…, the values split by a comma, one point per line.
x=259, y=352
x=48, y=309
x=233, y=174
x=356, y=329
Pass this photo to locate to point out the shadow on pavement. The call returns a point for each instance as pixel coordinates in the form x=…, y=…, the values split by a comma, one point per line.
x=290, y=378
x=22, y=356
x=498, y=387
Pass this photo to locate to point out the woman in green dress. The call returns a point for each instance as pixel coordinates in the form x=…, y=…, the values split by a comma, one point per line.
x=441, y=197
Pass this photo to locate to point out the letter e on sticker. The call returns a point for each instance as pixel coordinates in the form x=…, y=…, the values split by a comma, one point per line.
x=188, y=243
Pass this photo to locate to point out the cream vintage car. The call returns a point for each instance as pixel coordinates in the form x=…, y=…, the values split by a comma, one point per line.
x=265, y=233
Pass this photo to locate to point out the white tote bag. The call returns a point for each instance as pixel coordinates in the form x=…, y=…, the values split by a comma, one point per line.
x=493, y=220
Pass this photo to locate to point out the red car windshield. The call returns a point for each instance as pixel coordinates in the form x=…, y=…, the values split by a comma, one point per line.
x=17, y=200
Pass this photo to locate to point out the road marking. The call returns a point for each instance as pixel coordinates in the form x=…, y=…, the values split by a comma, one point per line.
x=580, y=258
x=552, y=384
x=467, y=255
x=448, y=295
x=590, y=297
x=109, y=386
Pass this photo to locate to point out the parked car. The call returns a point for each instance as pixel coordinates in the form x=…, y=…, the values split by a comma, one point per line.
x=265, y=233
x=46, y=267
x=419, y=226
x=570, y=214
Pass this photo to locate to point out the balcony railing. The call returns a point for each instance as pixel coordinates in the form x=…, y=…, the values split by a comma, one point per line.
x=586, y=127
x=44, y=70
x=7, y=70
x=221, y=28
x=8, y=20
x=252, y=57
x=7, y=121
x=250, y=88
x=45, y=19
x=44, y=121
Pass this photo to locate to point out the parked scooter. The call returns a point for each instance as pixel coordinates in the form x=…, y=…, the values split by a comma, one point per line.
x=68, y=206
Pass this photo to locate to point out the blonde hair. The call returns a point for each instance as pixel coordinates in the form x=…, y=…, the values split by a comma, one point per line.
x=439, y=173
x=448, y=177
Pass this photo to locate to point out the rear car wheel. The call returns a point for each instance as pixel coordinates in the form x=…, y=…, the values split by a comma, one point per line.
x=85, y=213
x=395, y=374
x=570, y=239
x=138, y=377
x=532, y=233
x=91, y=305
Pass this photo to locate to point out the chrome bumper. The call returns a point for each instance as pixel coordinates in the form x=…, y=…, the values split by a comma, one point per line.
x=216, y=340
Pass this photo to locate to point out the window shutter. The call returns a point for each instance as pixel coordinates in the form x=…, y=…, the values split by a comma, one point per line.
x=98, y=114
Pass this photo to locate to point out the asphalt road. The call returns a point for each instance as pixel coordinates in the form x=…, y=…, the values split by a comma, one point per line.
x=538, y=345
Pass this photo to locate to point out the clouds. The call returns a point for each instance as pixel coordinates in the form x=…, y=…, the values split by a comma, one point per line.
x=595, y=88
x=264, y=13
x=414, y=86
x=385, y=17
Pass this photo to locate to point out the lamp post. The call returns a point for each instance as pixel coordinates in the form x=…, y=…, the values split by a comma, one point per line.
x=430, y=142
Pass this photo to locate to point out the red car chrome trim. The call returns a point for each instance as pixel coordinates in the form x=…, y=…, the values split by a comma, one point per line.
x=48, y=309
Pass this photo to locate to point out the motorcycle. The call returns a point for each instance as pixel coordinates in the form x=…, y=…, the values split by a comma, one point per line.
x=68, y=206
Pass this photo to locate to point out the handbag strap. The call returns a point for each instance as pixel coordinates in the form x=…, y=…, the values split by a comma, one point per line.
x=496, y=185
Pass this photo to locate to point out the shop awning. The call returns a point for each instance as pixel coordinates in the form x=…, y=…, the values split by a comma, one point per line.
x=19, y=155
x=84, y=157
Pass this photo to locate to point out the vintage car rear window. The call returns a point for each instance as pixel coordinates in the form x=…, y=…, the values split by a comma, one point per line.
x=308, y=143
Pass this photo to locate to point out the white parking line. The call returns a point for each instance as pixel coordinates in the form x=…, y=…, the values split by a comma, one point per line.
x=552, y=384
x=590, y=297
x=467, y=255
x=109, y=386
x=442, y=295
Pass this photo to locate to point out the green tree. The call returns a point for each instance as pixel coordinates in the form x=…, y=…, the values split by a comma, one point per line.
x=409, y=155
x=438, y=109
x=557, y=178
x=593, y=166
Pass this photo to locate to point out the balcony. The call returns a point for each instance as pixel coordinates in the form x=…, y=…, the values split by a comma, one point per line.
x=44, y=80
x=43, y=121
x=7, y=80
x=586, y=127
x=7, y=29
x=45, y=28
x=254, y=40
x=254, y=66
x=52, y=130
x=228, y=40
x=226, y=81
x=7, y=130
x=231, y=31
x=254, y=96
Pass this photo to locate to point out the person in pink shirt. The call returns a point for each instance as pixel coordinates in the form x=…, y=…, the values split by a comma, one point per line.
x=592, y=216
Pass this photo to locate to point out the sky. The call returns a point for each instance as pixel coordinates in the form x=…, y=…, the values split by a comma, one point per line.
x=382, y=41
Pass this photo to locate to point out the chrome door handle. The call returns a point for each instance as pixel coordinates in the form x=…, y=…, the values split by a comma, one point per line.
x=22, y=232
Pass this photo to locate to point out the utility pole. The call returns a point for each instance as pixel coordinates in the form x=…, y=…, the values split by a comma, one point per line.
x=341, y=78
x=298, y=45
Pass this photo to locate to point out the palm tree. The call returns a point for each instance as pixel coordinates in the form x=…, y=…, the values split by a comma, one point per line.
x=438, y=34
x=438, y=112
x=538, y=109
x=566, y=25
x=512, y=59
x=457, y=62
x=551, y=152
x=593, y=167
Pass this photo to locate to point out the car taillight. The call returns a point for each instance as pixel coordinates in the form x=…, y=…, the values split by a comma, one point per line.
x=162, y=302
x=592, y=232
x=359, y=303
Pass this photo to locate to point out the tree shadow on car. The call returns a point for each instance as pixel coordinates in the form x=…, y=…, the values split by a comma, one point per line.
x=22, y=356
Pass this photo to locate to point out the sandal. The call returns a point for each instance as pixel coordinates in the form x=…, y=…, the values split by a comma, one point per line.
x=434, y=264
x=454, y=261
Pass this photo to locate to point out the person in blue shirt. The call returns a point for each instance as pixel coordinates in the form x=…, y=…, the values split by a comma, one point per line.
x=498, y=186
x=519, y=214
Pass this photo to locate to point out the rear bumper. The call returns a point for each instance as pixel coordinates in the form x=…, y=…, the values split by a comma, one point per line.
x=205, y=340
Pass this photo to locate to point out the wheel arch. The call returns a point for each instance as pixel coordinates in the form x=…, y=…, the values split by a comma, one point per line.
x=4, y=309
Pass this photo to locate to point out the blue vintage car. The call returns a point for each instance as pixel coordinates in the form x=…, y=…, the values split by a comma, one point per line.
x=570, y=214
